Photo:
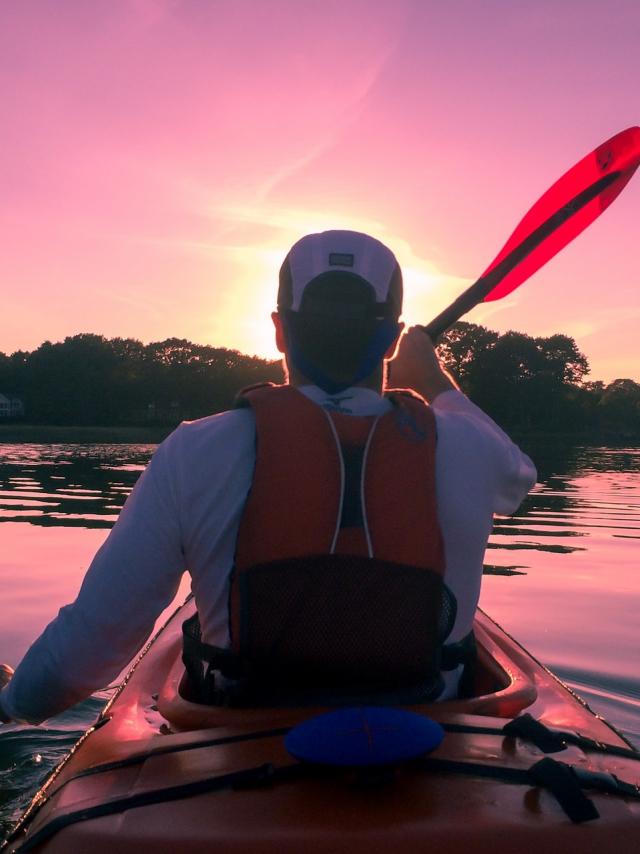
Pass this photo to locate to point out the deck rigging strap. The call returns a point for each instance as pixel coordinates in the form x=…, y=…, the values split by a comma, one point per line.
x=524, y=726
x=259, y=775
x=137, y=758
x=553, y=741
x=560, y=779
x=544, y=738
x=539, y=735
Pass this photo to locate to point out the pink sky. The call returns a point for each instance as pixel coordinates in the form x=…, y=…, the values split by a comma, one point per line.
x=160, y=156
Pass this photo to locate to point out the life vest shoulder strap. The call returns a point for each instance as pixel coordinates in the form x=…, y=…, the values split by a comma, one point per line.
x=241, y=400
x=401, y=484
x=294, y=501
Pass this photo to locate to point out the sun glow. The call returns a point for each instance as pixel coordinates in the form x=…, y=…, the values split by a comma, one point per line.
x=241, y=319
x=255, y=241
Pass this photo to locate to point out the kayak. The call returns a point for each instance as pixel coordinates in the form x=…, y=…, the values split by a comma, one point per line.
x=524, y=766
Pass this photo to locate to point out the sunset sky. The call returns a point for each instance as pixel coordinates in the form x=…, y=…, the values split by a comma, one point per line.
x=158, y=158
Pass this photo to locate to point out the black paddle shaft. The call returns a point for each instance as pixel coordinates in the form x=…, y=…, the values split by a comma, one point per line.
x=480, y=289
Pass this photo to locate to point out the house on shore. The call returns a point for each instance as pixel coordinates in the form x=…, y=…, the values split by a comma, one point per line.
x=10, y=407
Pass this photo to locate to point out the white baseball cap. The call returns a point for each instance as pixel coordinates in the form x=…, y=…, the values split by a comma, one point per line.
x=352, y=255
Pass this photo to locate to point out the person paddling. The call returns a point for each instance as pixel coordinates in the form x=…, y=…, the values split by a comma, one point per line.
x=376, y=505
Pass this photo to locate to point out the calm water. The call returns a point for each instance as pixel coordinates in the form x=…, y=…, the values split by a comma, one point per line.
x=563, y=575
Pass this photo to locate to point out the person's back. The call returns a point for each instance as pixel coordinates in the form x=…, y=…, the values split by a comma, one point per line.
x=339, y=304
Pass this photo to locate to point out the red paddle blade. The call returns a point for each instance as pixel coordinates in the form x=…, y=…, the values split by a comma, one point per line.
x=616, y=160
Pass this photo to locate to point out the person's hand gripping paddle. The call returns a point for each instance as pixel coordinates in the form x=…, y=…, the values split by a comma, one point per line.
x=6, y=672
x=565, y=210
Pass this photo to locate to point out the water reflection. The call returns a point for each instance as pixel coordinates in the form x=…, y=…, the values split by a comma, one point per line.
x=28, y=754
x=577, y=607
x=553, y=548
x=492, y=569
x=71, y=485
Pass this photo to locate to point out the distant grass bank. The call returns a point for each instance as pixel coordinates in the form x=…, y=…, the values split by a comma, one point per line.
x=51, y=433
x=592, y=438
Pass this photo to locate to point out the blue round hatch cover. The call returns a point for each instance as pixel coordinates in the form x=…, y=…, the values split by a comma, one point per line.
x=360, y=736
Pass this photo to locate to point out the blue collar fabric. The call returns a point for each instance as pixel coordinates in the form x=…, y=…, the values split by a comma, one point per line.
x=384, y=336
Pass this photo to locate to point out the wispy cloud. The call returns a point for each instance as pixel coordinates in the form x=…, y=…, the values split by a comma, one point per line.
x=350, y=113
x=150, y=307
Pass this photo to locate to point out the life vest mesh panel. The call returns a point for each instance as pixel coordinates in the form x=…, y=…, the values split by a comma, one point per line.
x=345, y=620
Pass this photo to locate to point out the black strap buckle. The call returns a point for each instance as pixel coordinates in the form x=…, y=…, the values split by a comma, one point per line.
x=460, y=652
x=565, y=786
x=527, y=727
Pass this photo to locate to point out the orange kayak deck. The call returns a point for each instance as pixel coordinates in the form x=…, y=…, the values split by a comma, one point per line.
x=159, y=773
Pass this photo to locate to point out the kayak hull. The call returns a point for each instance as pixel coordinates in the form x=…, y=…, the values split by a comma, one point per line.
x=174, y=775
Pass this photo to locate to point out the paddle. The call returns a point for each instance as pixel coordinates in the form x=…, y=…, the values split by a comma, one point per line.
x=565, y=210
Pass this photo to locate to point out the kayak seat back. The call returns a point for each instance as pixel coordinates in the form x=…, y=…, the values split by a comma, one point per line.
x=502, y=689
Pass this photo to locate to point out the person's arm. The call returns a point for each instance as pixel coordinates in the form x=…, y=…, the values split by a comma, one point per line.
x=133, y=577
x=479, y=445
x=469, y=432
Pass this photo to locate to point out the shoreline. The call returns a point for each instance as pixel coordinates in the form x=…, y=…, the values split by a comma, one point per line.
x=16, y=433
x=609, y=438
x=70, y=434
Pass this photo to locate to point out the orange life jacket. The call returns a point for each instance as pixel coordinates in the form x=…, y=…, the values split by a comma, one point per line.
x=337, y=586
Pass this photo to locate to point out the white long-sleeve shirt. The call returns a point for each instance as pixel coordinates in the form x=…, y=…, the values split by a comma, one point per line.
x=184, y=513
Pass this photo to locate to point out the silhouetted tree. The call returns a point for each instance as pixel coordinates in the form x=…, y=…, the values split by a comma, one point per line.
x=619, y=407
x=522, y=382
x=464, y=348
x=88, y=379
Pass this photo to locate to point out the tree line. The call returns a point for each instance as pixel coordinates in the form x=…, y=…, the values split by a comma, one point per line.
x=524, y=383
x=539, y=384
x=91, y=380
